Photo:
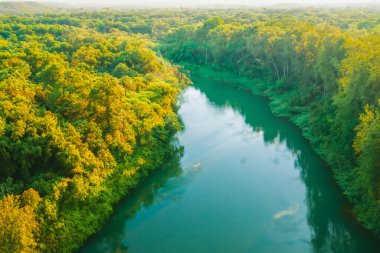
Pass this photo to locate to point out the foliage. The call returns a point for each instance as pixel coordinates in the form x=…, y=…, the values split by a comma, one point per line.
x=319, y=74
x=83, y=116
x=18, y=224
x=87, y=107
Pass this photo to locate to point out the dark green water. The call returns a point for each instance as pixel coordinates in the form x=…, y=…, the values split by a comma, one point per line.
x=248, y=182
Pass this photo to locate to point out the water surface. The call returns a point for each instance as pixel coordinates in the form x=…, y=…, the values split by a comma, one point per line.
x=247, y=182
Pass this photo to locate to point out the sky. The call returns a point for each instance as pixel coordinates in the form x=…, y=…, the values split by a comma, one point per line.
x=207, y=2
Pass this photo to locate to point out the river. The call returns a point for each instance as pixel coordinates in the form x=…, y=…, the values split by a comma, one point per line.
x=247, y=182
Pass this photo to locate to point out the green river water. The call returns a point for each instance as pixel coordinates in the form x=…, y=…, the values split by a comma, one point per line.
x=247, y=182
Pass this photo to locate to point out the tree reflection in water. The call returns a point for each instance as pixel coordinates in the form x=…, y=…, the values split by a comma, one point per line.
x=333, y=226
x=112, y=236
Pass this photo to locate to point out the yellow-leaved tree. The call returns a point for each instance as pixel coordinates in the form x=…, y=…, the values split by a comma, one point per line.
x=18, y=224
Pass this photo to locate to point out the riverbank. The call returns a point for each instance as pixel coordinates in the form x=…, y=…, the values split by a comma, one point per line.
x=280, y=106
x=79, y=128
x=248, y=182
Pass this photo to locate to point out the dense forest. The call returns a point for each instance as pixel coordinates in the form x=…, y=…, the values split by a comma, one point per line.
x=88, y=104
x=83, y=116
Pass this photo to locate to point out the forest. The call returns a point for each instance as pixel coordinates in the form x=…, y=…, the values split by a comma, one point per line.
x=83, y=116
x=88, y=103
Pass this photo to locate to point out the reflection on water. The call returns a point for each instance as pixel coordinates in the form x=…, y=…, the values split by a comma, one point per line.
x=248, y=182
x=160, y=185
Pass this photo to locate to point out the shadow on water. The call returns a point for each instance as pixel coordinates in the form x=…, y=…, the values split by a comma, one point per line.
x=112, y=236
x=333, y=226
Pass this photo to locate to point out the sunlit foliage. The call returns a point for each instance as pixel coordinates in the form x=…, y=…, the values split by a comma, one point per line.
x=83, y=115
x=87, y=107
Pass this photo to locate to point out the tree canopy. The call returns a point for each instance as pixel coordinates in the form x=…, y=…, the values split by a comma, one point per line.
x=88, y=104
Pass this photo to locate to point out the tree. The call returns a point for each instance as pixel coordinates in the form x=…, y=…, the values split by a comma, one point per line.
x=18, y=224
x=367, y=147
